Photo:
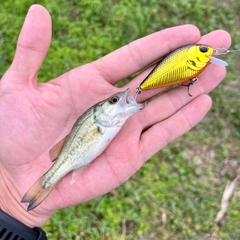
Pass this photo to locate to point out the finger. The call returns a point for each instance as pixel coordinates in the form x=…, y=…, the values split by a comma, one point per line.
x=164, y=132
x=140, y=53
x=216, y=39
x=32, y=45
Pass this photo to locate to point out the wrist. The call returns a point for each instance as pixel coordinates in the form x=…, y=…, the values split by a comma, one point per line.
x=10, y=228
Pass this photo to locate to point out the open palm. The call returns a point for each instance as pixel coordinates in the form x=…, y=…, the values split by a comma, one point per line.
x=34, y=117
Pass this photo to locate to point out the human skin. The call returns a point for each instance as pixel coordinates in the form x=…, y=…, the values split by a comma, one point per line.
x=34, y=117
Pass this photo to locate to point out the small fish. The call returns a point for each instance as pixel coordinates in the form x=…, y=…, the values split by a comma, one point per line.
x=182, y=65
x=89, y=137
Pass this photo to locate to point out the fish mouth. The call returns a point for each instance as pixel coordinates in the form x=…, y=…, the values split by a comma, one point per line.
x=131, y=101
x=129, y=98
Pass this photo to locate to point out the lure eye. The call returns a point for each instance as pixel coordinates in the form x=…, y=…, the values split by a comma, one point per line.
x=203, y=49
x=114, y=100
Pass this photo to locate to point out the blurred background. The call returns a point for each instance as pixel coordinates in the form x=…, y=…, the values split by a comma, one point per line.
x=177, y=193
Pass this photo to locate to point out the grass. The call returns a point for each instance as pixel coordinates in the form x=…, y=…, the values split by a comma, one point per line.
x=177, y=194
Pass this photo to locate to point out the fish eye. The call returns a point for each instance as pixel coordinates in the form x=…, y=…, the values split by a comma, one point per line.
x=203, y=49
x=114, y=100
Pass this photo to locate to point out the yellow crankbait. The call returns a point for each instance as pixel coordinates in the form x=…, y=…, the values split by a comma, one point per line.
x=182, y=65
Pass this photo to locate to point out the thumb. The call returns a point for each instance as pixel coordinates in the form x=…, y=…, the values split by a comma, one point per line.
x=32, y=46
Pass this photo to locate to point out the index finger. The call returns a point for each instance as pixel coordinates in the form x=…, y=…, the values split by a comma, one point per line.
x=140, y=53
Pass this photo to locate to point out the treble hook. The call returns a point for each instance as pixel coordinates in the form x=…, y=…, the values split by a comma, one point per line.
x=191, y=82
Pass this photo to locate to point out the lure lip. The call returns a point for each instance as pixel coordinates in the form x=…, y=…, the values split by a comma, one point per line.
x=218, y=61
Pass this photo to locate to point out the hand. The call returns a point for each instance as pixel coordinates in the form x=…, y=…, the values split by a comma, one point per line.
x=34, y=117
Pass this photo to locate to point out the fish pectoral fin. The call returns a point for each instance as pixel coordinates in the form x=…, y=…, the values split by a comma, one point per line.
x=36, y=194
x=76, y=173
x=89, y=136
x=56, y=150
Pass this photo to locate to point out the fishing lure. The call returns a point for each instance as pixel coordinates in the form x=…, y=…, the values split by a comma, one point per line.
x=182, y=65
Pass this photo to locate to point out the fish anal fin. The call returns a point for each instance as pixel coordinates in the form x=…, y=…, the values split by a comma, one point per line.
x=56, y=150
x=76, y=173
x=36, y=194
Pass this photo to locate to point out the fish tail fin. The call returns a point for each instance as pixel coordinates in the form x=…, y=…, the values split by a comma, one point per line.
x=36, y=194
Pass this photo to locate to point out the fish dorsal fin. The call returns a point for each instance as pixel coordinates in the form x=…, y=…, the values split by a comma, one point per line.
x=56, y=150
